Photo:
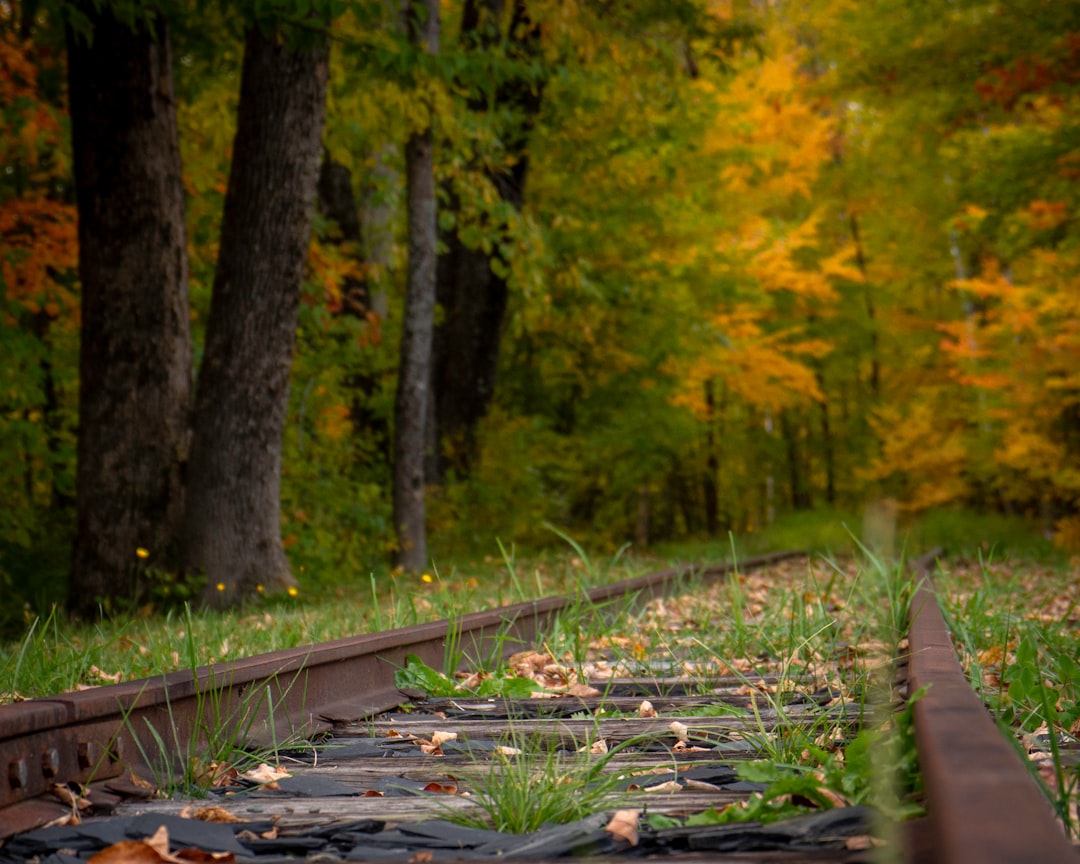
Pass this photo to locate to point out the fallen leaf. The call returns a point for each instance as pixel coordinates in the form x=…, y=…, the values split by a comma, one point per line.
x=71, y=818
x=859, y=843
x=217, y=815
x=597, y=748
x=441, y=788
x=583, y=691
x=421, y=857
x=265, y=775
x=439, y=738
x=114, y=678
x=645, y=709
x=73, y=797
x=624, y=826
x=215, y=774
x=474, y=680
x=680, y=730
x=669, y=786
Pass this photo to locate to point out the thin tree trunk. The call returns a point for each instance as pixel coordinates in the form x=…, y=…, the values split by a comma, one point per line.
x=827, y=445
x=337, y=202
x=712, y=464
x=135, y=353
x=871, y=311
x=472, y=284
x=232, y=527
x=414, y=374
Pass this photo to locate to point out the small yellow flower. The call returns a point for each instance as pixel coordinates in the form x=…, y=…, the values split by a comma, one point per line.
x=142, y=553
x=259, y=588
x=293, y=590
x=426, y=578
x=220, y=586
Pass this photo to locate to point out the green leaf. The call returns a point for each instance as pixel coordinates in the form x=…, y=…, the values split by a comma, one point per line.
x=417, y=675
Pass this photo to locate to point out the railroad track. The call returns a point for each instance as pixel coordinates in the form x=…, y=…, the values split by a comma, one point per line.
x=983, y=805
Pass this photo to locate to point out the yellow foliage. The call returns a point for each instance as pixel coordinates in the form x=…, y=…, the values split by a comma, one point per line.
x=1067, y=534
x=759, y=368
x=923, y=453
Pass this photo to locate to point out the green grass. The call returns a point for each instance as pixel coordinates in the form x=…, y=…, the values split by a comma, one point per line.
x=1024, y=661
x=54, y=655
x=532, y=784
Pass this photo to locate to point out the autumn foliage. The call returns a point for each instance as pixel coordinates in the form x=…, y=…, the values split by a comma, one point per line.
x=771, y=257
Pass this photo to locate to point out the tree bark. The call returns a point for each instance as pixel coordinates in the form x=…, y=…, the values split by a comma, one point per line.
x=232, y=528
x=338, y=203
x=472, y=290
x=135, y=354
x=414, y=374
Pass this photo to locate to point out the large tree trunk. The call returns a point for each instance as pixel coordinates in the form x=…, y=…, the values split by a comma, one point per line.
x=472, y=285
x=135, y=355
x=414, y=373
x=232, y=526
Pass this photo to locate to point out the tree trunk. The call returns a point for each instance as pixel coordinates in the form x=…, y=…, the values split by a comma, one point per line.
x=472, y=284
x=414, y=373
x=338, y=203
x=712, y=464
x=232, y=525
x=135, y=354
x=791, y=428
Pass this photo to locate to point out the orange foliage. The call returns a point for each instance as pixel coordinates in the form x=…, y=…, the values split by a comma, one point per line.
x=37, y=233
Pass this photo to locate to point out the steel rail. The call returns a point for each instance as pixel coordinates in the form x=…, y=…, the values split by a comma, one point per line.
x=100, y=733
x=984, y=806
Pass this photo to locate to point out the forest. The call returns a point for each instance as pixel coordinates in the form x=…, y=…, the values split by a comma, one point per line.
x=299, y=290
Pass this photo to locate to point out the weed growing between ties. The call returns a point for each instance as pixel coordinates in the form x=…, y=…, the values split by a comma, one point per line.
x=529, y=783
x=218, y=749
x=1024, y=663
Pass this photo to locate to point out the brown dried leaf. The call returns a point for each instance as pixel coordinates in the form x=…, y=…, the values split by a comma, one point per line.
x=421, y=857
x=701, y=785
x=583, y=691
x=265, y=775
x=439, y=738
x=474, y=680
x=624, y=826
x=441, y=788
x=114, y=678
x=679, y=730
x=217, y=815
x=216, y=774
x=645, y=709
x=71, y=818
x=72, y=797
x=669, y=786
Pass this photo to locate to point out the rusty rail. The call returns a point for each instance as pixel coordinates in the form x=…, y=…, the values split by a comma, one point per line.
x=98, y=734
x=984, y=806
